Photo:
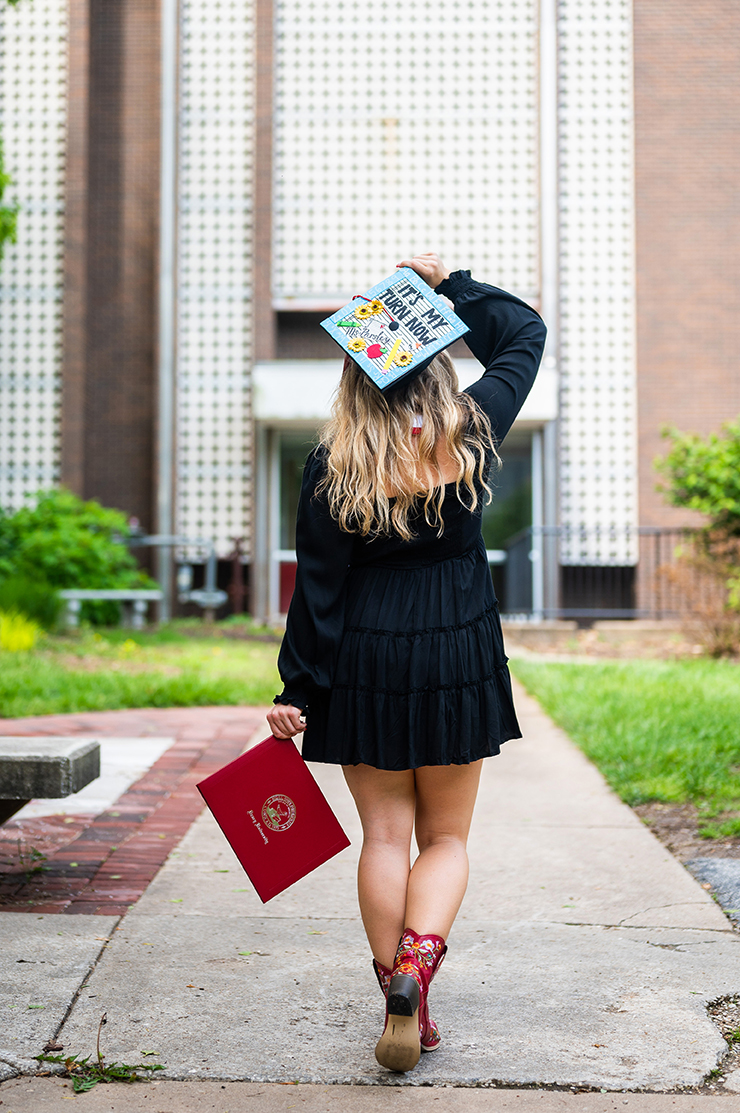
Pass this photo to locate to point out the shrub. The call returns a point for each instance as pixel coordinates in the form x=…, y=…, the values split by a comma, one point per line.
x=706, y=584
x=64, y=542
x=34, y=598
x=703, y=473
x=17, y=632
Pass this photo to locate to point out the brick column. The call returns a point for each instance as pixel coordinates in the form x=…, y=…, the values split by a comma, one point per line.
x=687, y=151
x=109, y=374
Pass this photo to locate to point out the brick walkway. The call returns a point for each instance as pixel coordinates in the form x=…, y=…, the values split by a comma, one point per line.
x=104, y=864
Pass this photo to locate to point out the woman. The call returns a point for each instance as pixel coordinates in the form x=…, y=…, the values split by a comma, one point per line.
x=393, y=660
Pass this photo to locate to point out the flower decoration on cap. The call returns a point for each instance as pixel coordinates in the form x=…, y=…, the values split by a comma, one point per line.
x=395, y=329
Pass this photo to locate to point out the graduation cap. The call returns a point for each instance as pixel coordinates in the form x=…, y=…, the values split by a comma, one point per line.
x=395, y=329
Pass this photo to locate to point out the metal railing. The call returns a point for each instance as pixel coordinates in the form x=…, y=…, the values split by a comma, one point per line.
x=208, y=597
x=600, y=573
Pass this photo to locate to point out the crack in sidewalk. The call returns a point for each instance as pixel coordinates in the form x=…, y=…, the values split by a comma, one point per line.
x=83, y=984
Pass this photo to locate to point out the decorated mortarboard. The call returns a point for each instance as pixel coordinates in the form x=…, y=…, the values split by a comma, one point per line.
x=395, y=329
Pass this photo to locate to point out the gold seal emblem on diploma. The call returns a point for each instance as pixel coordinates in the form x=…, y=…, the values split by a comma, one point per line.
x=278, y=813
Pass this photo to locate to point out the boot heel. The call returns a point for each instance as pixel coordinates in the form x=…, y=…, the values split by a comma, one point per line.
x=399, y=1048
x=407, y=1024
x=403, y=995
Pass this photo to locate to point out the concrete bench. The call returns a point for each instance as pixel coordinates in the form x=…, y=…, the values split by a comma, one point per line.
x=135, y=603
x=46, y=767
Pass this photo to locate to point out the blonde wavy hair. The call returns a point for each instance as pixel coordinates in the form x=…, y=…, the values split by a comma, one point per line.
x=370, y=450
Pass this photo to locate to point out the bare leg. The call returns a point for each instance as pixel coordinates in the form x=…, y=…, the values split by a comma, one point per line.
x=385, y=800
x=425, y=899
x=445, y=798
x=428, y=897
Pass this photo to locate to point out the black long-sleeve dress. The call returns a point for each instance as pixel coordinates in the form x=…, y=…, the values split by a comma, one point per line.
x=395, y=647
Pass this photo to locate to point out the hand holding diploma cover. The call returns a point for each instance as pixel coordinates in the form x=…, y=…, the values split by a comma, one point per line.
x=274, y=815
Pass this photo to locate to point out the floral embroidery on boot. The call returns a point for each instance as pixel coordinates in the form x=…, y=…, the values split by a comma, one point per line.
x=420, y=956
x=383, y=974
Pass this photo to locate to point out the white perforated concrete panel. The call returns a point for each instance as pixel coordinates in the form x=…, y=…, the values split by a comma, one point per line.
x=598, y=456
x=33, y=71
x=214, y=245
x=403, y=128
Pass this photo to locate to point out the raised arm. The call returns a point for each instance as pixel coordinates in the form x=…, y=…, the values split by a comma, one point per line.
x=316, y=614
x=507, y=336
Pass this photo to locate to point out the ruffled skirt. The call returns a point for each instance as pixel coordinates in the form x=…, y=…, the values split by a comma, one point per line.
x=421, y=677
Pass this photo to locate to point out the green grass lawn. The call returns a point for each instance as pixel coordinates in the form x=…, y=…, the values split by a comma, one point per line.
x=657, y=730
x=111, y=669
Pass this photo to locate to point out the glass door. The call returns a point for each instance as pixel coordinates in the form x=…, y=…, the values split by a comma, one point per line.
x=292, y=450
x=507, y=523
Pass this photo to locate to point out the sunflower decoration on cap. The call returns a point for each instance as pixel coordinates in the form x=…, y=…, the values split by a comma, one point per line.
x=395, y=329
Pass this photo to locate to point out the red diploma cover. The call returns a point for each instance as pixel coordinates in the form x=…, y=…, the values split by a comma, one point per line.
x=274, y=815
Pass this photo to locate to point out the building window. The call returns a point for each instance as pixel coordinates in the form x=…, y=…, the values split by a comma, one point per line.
x=294, y=448
x=505, y=521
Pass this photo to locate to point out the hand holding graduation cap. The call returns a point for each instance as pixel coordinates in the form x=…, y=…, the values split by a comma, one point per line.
x=428, y=266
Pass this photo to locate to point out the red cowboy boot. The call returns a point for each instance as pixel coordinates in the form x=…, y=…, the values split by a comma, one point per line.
x=427, y=952
x=408, y=1027
x=383, y=974
x=428, y=1030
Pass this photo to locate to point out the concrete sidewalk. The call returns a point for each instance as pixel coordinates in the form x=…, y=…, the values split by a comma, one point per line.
x=44, y=1095
x=585, y=955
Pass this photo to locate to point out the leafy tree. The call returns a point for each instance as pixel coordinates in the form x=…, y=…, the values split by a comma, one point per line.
x=70, y=543
x=60, y=540
x=703, y=473
x=31, y=597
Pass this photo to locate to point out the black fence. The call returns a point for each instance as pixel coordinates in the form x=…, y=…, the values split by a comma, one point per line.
x=590, y=573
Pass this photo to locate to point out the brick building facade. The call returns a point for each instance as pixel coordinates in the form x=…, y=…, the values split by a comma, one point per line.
x=581, y=152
